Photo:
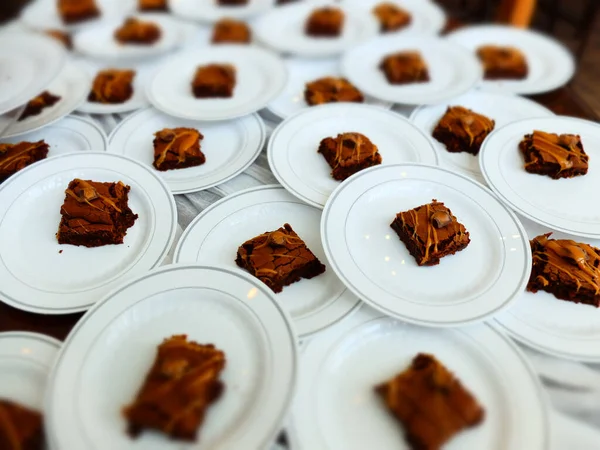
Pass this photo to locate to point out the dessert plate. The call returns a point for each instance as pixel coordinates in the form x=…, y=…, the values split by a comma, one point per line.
x=302, y=71
x=211, y=11
x=230, y=147
x=336, y=407
x=260, y=76
x=232, y=310
x=567, y=205
x=29, y=64
x=282, y=28
x=41, y=276
x=368, y=256
x=550, y=63
x=292, y=148
x=215, y=235
x=501, y=108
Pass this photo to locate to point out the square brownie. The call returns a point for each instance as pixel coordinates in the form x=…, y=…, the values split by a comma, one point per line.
x=391, y=17
x=75, y=11
x=112, y=86
x=135, y=31
x=153, y=5
x=177, y=148
x=430, y=402
x=37, y=104
x=554, y=155
x=278, y=258
x=182, y=384
x=404, y=67
x=14, y=157
x=95, y=214
x=21, y=428
x=502, y=63
x=567, y=269
x=325, y=22
x=231, y=31
x=214, y=81
x=463, y=130
x=62, y=36
x=348, y=153
x=430, y=232
x=331, y=90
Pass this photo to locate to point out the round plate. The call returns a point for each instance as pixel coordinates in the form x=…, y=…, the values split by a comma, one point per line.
x=371, y=261
x=41, y=276
x=551, y=65
x=260, y=74
x=300, y=72
x=215, y=235
x=29, y=63
x=230, y=147
x=453, y=70
x=282, y=28
x=292, y=148
x=211, y=11
x=502, y=108
x=235, y=312
x=336, y=406
x=567, y=205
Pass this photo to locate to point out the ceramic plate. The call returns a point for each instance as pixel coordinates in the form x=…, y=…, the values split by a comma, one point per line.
x=233, y=311
x=211, y=11
x=503, y=109
x=336, y=406
x=453, y=70
x=292, y=148
x=41, y=276
x=367, y=255
x=215, y=235
x=260, y=74
x=283, y=29
x=550, y=64
x=230, y=147
x=567, y=205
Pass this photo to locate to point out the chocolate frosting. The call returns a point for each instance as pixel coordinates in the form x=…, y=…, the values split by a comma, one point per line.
x=15, y=157
x=178, y=141
x=562, y=148
x=111, y=84
x=353, y=148
x=462, y=121
x=493, y=56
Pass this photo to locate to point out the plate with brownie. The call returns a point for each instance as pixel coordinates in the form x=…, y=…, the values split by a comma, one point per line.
x=547, y=170
x=190, y=155
x=516, y=60
x=211, y=361
x=275, y=237
x=214, y=10
x=83, y=223
x=312, y=152
x=425, y=245
x=376, y=382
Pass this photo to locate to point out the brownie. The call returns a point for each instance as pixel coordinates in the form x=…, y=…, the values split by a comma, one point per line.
x=75, y=11
x=430, y=232
x=405, y=67
x=348, y=153
x=278, y=258
x=331, y=90
x=21, y=428
x=325, y=22
x=554, y=155
x=95, y=214
x=567, y=269
x=153, y=5
x=502, y=63
x=231, y=31
x=177, y=148
x=214, y=81
x=135, y=31
x=391, y=17
x=232, y=2
x=112, y=86
x=62, y=36
x=283, y=2
x=430, y=402
x=14, y=157
x=463, y=130
x=37, y=104
x=182, y=384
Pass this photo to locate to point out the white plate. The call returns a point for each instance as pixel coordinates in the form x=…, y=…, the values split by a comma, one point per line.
x=283, y=29
x=567, y=205
x=551, y=65
x=230, y=147
x=29, y=63
x=453, y=70
x=35, y=276
x=292, y=148
x=261, y=75
x=300, y=72
x=371, y=261
x=210, y=11
x=336, y=406
x=215, y=235
x=211, y=305
x=503, y=109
